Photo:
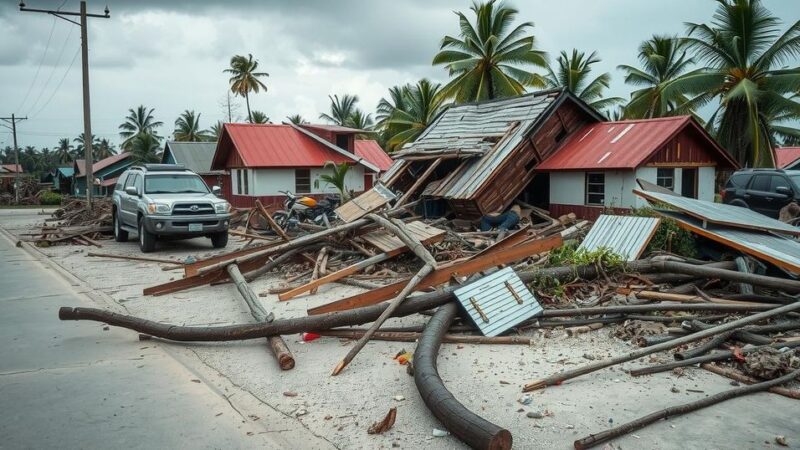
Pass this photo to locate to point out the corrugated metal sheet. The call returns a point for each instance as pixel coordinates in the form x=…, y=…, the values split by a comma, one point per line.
x=99, y=165
x=786, y=156
x=497, y=303
x=629, y=144
x=719, y=213
x=196, y=156
x=66, y=172
x=777, y=249
x=627, y=236
x=372, y=152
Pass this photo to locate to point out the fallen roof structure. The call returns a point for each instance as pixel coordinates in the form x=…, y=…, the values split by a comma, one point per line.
x=626, y=236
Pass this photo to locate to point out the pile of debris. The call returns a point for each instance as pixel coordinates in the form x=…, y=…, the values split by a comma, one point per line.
x=75, y=223
x=496, y=288
x=29, y=193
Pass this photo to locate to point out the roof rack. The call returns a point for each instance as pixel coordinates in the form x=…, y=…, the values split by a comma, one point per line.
x=161, y=167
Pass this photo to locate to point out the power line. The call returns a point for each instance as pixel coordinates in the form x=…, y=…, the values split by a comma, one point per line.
x=74, y=58
x=52, y=72
x=38, y=69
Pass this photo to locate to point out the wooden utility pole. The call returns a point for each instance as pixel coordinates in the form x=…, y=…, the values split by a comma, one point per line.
x=87, y=119
x=13, y=121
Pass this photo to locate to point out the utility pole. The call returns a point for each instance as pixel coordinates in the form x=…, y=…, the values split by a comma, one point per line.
x=13, y=121
x=87, y=119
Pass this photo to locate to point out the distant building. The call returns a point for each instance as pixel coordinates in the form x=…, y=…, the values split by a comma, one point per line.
x=264, y=159
x=197, y=157
x=8, y=173
x=598, y=166
x=788, y=158
x=62, y=179
x=106, y=172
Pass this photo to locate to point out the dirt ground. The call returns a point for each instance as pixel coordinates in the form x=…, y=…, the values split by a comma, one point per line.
x=487, y=379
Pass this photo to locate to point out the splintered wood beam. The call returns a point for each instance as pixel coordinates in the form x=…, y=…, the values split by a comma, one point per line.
x=418, y=183
x=275, y=227
x=444, y=273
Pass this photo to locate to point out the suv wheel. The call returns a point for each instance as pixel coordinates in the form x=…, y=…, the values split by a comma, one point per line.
x=147, y=240
x=120, y=235
x=219, y=240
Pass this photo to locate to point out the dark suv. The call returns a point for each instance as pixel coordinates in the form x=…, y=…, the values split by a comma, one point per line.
x=762, y=190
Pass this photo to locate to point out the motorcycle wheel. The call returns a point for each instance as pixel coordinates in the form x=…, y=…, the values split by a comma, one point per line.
x=281, y=218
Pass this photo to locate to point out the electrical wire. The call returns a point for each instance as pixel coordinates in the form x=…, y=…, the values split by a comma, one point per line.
x=52, y=72
x=39, y=68
x=74, y=58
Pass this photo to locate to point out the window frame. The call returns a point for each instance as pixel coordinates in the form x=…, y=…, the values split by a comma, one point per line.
x=670, y=177
x=297, y=185
x=588, y=195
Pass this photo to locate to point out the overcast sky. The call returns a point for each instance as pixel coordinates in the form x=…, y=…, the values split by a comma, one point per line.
x=169, y=55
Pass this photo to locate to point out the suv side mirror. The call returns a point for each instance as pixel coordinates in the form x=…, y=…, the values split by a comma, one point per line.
x=216, y=190
x=785, y=190
x=131, y=190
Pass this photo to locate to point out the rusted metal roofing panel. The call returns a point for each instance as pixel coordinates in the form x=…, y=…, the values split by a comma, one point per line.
x=776, y=249
x=627, y=236
x=498, y=301
x=719, y=213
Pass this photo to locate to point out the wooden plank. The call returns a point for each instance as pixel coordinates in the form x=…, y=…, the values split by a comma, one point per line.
x=444, y=273
x=365, y=203
x=277, y=229
x=387, y=242
x=134, y=258
x=418, y=183
x=193, y=268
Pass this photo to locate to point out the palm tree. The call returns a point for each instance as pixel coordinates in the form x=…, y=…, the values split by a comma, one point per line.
x=258, y=117
x=144, y=149
x=490, y=58
x=337, y=178
x=360, y=120
x=572, y=72
x=296, y=119
x=187, y=127
x=138, y=121
x=79, y=147
x=663, y=59
x=64, y=151
x=744, y=54
x=341, y=110
x=215, y=132
x=411, y=109
x=103, y=149
x=29, y=159
x=244, y=79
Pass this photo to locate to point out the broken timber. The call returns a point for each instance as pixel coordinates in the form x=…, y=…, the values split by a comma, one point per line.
x=271, y=222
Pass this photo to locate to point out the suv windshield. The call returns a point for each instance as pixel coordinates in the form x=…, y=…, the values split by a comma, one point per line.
x=174, y=184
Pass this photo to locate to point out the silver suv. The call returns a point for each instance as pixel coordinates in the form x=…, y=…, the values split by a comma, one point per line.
x=168, y=200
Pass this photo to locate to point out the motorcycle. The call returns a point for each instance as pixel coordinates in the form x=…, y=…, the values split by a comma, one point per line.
x=305, y=209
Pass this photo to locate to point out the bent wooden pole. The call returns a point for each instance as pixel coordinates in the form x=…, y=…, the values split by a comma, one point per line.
x=338, y=275
x=607, y=435
x=276, y=343
x=472, y=429
x=736, y=324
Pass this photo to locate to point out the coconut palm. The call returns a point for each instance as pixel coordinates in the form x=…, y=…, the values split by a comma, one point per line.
x=341, y=109
x=80, y=142
x=259, y=117
x=360, y=120
x=215, y=132
x=411, y=109
x=244, y=79
x=337, y=178
x=103, y=150
x=187, y=128
x=573, y=72
x=663, y=59
x=744, y=55
x=144, y=149
x=296, y=119
x=138, y=121
x=490, y=59
x=64, y=151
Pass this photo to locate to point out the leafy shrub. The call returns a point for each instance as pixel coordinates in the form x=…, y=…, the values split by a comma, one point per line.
x=669, y=236
x=569, y=255
x=50, y=198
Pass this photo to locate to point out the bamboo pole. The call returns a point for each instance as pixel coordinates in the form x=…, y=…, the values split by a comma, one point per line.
x=734, y=325
x=607, y=435
x=413, y=336
x=317, y=266
x=736, y=375
x=134, y=258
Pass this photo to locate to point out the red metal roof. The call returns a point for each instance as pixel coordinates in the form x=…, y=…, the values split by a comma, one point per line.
x=785, y=156
x=13, y=168
x=372, y=152
x=80, y=164
x=622, y=145
x=334, y=128
x=272, y=145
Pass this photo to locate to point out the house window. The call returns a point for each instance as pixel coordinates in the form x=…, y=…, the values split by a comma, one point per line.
x=238, y=181
x=595, y=188
x=666, y=178
x=245, y=183
x=242, y=187
x=302, y=181
x=342, y=141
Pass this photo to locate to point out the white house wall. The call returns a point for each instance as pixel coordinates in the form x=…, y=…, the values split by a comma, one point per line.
x=706, y=178
x=569, y=188
x=265, y=182
x=354, y=180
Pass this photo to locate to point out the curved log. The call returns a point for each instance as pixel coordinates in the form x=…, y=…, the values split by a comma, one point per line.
x=472, y=429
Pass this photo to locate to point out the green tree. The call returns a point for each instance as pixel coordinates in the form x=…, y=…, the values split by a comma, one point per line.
x=663, y=59
x=337, y=178
x=187, y=128
x=103, y=149
x=296, y=119
x=341, y=109
x=573, y=73
x=360, y=120
x=744, y=55
x=144, y=149
x=258, y=117
x=215, y=132
x=408, y=111
x=138, y=121
x=490, y=59
x=80, y=145
x=29, y=159
x=64, y=153
x=244, y=79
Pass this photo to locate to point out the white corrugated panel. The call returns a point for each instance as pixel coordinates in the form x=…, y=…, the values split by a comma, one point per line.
x=627, y=236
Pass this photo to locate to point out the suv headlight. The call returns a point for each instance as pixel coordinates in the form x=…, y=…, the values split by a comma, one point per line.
x=222, y=208
x=158, y=208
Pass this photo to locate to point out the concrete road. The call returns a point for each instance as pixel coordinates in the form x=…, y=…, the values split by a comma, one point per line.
x=73, y=385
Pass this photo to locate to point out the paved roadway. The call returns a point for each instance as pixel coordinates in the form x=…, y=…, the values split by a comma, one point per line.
x=75, y=385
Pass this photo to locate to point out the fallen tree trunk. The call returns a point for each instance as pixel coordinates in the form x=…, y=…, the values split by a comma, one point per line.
x=472, y=429
x=742, y=378
x=734, y=325
x=604, y=436
x=700, y=350
x=412, y=336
